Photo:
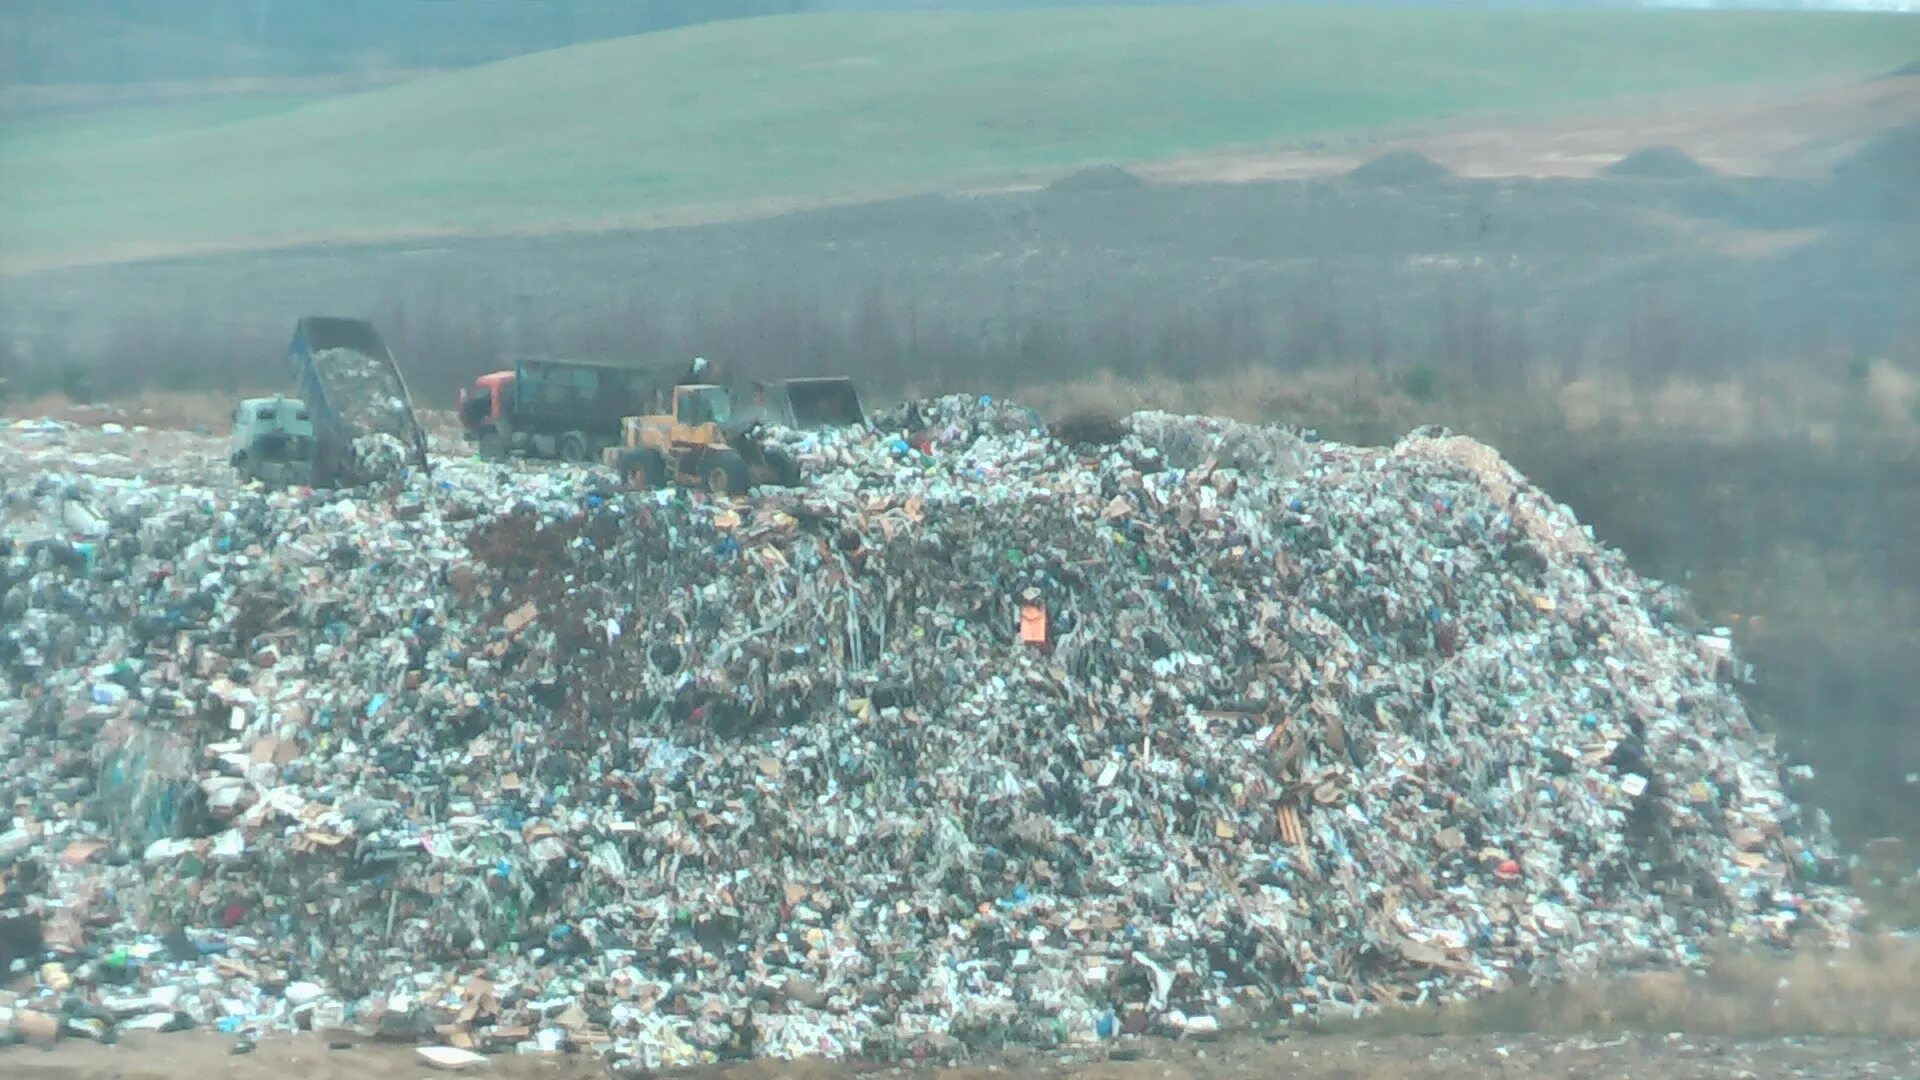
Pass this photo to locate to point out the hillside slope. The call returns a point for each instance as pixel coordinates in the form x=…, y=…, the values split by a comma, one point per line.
x=732, y=117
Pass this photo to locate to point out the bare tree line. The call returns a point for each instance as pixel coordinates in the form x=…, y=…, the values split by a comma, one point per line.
x=899, y=337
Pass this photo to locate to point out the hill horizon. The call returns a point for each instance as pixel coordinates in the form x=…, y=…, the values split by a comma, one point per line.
x=744, y=117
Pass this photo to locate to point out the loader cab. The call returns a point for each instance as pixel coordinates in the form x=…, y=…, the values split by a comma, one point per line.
x=691, y=415
x=697, y=405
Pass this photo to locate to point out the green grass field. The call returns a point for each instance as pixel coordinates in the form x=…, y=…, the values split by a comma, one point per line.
x=736, y=116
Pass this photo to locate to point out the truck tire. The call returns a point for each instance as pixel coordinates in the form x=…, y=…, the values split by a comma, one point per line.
x=574, y=447
x=644, y=468
x=723, y=472
x=493, y=447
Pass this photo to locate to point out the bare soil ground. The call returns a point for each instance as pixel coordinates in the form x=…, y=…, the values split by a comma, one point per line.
x=1769, y=131
x=1406, y=1057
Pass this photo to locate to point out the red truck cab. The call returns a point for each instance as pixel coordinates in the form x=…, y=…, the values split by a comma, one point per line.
x=480, y=404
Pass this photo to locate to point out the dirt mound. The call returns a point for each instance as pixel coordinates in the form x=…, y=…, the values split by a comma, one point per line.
x=1098, y=178
x=1660, y=163
x=1400, y=168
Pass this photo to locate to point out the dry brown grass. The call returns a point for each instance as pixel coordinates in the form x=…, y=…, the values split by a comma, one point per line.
x=1880, y=398
x=173, y=410
x=1871, y=990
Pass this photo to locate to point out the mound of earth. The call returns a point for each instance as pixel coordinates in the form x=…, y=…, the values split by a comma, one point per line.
x=1098, y=178
x=1400, y=168
x=1660, y=163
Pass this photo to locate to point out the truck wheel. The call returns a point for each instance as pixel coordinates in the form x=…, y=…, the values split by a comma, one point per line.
x=723, y=472
x=574, y=447
x=492, y=447
x=644, y=468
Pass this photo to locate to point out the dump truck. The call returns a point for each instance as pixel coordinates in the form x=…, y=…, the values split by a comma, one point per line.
x=813, y=402
x=566, y=409
x=364, y=428
x=699, y=443
x=272, y=441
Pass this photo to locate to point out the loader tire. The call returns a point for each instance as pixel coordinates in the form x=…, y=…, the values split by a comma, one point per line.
x=644, y=468
x=493, y=447
x=785, y=471
x=723, y=472
x=574, y=448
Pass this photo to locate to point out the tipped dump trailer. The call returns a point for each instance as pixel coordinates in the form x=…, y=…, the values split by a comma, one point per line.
x=361, y=410
x=565, y=409
x=816, y=402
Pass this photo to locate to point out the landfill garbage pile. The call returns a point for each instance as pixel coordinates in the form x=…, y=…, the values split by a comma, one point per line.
x=378, y=458
x=977, y=739
x=365, y=390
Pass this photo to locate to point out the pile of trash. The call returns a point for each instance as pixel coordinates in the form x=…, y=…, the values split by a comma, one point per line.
x=367, y=391
x=976, y=739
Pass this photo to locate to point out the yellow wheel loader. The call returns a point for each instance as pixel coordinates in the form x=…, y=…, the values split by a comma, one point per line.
x=699, y=444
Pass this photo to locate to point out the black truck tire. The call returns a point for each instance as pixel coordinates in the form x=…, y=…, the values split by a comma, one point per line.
x=644, y=468
x=723, y=472
x=785, y=471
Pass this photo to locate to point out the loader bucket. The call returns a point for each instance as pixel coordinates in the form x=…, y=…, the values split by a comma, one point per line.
x=822, y=402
